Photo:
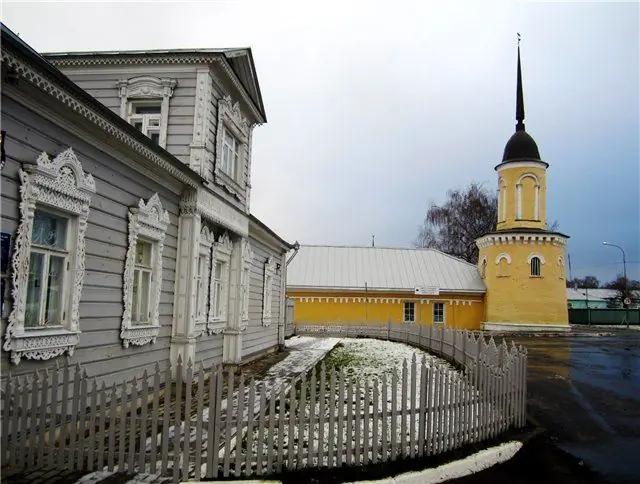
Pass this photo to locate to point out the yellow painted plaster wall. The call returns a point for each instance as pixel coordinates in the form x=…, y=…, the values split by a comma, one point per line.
x=461, y=311
x=514, y=296
x=509, y=178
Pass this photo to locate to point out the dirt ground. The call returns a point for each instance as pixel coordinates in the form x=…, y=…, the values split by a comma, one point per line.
x=584, y=389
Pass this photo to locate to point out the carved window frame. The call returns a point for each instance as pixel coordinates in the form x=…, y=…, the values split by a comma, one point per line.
x=246, y=262
x=270, y=268
x=148, y=221
x=221, y=252
x=60, y=184
x=207, y=239
x=147, y=88
x=230, y=118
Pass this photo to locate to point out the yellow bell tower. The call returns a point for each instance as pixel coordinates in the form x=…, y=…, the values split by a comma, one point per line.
x=522, y=262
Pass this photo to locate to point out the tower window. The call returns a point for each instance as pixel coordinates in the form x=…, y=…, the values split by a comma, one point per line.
x=535, y=266
x=484, y=268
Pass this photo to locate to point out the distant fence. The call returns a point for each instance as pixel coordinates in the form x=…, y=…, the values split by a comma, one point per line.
x=223, y=425
x=604, y=316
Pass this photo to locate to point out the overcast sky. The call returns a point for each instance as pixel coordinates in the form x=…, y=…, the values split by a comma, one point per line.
x=376, y=109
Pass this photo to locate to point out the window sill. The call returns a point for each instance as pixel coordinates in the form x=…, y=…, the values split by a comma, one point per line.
x=231, y=185
x=536, y=277
x=42, y=344
x=139, y=335
x=438, y=322
x=409, y=322
x=216, y=326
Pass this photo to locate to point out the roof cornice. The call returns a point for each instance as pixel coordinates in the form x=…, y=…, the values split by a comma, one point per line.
x=91, y=109
x=84, y=60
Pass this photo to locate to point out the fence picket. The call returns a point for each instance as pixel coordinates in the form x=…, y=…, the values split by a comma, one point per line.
x=250, y=418
x=101, y=429
x=93, y=422
x=448, y=411
x=437, y=413
x=73, y=427
x=24, y=429
x=199, y=423
x=82, y=421
x=385, y=403
x=239, y=425
x=64, y=413
x=428, y=431
x=340, y=422
x=122, y=430
x=33, y=422
x=7, y=409
x=271, y=437
x=154, y=418
x=281, y=410
x=413, y=409
x=166, y=419
x=374, y=423
x=301, y=415
x=321, y=398
x=212, y=435
x=186, y=444
x=291, y=426
x=133, y=423
x=350, y=413
x=177, y=422
x=332, y=409
x=394, y=413
x=423, y=404
x=227, y=427
x=45, y=405
x=144, y=402
x=403, y=419
x=358, y=424
x=312, y=422
x=365, y=430
x=217, y=387
x=14, y=408
x=261, y=423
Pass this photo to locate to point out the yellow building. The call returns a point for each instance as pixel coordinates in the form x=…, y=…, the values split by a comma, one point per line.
x=519, y=283
x=360, y=285
x=522, y=263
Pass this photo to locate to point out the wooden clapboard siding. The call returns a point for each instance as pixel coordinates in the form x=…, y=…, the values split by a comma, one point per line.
x=209, y=349
x=258, y=338
x=118, y=187
x=102, y=86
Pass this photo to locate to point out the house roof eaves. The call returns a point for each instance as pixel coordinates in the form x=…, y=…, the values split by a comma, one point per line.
x=15, y=48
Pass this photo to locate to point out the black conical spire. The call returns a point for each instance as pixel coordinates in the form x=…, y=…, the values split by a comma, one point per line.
x=519, y=96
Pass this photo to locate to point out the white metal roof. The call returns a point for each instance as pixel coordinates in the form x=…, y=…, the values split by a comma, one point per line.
x=381, y=268
x=582, y=294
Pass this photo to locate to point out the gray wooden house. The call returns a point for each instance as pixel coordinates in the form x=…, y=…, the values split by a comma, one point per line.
x=127, y=237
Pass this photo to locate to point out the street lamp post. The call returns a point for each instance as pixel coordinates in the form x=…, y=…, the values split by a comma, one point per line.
x=626, y=282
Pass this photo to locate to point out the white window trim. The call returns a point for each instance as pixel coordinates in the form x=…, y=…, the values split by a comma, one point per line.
x=245, y=279
x=207, y=239
x=270, y=268
x=444, y=313
x=404, y=303
x=147, y=88
x=222, y=250
x=150, y=221
x=62, y=185
x=540, y=258
x=230, y=118
x=502, y=192
x=503, y=255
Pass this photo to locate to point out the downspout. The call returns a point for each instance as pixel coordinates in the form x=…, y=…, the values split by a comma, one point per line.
x=283, y=301
x=296, y=248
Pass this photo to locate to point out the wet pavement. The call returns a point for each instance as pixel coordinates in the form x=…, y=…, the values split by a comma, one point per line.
x=585, y=389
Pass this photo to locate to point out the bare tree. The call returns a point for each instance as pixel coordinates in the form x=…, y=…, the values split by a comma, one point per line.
x=454, y=226
x=588, y=282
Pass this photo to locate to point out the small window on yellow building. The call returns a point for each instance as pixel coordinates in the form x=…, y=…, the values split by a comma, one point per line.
x=438, y=312
x=535, y=266
x=409, y=312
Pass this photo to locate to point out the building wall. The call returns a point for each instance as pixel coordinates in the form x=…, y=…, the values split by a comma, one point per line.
x=461, y=311
x=514, y=296
x=118, y=187
x=100, y=82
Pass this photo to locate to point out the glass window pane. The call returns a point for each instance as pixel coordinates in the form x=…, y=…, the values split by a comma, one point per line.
x=218, y=270
x=143, y=253
x=155, y=137
x=49, y=230
x=218, y=296
x=152, y=109
x=138, y=126
x=145, y=283
x=134, y=306
x=34, y=289
x=53, y=301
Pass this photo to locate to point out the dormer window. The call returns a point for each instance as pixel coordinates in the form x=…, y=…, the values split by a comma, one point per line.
x=146, y=116
x=144, y=102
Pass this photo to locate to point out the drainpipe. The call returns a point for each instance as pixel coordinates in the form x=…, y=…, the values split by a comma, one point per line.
x=296, y=248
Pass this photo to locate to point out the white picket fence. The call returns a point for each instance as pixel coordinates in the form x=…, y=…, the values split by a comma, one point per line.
x=214, y=423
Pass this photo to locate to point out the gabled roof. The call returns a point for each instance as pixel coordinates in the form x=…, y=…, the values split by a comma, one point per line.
x=380, y=268
x=239, y=60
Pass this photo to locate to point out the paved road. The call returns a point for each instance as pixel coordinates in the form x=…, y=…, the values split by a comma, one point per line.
x=585, y=389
